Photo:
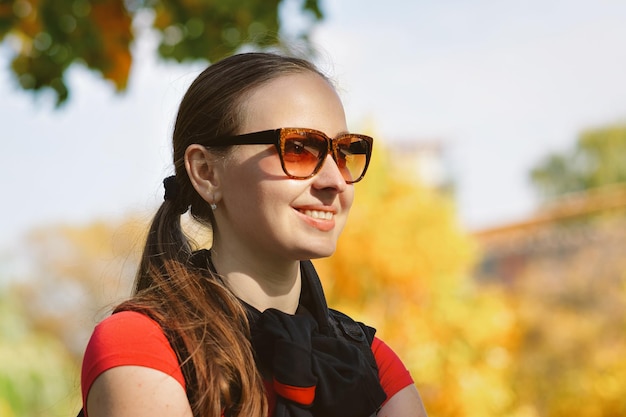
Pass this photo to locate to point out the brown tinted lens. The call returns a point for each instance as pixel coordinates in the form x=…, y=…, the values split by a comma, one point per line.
x=302, y=152
x=352, y=154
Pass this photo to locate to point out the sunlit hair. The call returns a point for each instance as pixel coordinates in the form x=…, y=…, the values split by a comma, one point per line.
x=205, y=323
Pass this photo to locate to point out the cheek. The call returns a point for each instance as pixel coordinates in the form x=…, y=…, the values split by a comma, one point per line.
x=347, y=198
x=268, y=165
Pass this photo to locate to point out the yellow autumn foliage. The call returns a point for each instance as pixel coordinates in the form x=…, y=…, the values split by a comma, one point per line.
x=78, y=274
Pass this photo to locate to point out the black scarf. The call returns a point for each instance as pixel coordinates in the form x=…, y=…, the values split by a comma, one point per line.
x=315, y=373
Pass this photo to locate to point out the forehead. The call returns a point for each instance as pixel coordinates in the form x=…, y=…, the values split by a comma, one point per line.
x=303, y=99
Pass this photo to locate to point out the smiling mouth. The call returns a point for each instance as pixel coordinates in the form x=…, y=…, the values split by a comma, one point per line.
x=317, y=214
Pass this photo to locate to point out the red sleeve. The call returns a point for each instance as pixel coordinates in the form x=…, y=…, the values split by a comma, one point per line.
x=128, y=338
x=392, y=373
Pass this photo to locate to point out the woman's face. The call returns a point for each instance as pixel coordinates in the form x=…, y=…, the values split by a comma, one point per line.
x=262, y=212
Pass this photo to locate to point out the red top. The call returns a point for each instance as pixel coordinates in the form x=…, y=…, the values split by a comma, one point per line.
x=131, y=338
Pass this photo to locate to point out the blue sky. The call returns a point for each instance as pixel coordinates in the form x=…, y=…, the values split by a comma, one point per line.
x=500, y=83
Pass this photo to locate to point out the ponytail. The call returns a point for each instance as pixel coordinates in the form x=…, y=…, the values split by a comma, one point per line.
x=165, y=242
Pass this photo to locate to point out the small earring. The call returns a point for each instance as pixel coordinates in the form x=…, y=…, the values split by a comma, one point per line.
x=213, y=204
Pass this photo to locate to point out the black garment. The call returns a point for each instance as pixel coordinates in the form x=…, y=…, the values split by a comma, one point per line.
x=319, y=352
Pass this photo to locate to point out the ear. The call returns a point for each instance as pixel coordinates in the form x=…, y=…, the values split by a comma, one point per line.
x=204, y=170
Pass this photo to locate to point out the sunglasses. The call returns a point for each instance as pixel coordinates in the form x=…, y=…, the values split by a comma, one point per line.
x=303, y=151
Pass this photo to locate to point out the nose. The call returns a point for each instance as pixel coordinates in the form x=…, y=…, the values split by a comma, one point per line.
x=329, y=176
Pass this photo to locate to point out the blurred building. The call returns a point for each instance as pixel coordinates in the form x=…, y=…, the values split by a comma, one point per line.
x=424, y=160
x=581, y=237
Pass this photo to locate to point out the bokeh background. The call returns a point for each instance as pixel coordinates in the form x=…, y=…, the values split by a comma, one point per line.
x=487, y=243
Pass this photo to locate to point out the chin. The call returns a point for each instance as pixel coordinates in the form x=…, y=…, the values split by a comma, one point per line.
x=319, y=252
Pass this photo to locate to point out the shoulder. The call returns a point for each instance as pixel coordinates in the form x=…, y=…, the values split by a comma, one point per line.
x=388, y=360
x=403, y=398
x=393, y=374
x=405, y=403
x=128, y=326
x=128, y=338
x=136, y=391
x=123, y=325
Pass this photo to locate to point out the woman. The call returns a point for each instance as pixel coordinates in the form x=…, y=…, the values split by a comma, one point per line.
x=243, y=329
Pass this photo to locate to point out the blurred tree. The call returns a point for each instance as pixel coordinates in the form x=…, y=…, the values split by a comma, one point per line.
x=37, y=374
x=571, y=305
x=566, y=272
x=78, y=273
x=599, y=158
x=51, y=35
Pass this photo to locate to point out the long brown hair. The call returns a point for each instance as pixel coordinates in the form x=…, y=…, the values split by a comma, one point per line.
x=204, y=321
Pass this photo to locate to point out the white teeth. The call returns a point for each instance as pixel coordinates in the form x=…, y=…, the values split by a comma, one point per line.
x=325, y=215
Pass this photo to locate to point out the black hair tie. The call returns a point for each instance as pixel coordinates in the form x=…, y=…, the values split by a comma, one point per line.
x=172, y=194
x=171, y=188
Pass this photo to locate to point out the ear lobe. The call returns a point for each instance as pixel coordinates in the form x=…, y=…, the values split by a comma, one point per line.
x=204, y=171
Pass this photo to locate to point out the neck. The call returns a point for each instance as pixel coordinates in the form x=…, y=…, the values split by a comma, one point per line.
x=260, y=284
